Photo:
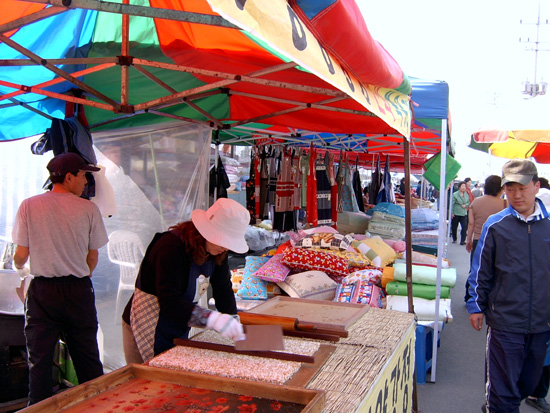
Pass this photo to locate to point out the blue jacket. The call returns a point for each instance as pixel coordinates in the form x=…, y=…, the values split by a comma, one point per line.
x=510, y=275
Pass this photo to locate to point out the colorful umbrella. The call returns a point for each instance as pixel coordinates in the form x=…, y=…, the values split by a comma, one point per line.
x=525, y=143
x=154, y=61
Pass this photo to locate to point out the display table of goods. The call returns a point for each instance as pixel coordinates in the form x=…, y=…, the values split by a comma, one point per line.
x=338, y=357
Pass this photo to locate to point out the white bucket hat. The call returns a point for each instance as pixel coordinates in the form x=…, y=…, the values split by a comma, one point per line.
x=224, y=224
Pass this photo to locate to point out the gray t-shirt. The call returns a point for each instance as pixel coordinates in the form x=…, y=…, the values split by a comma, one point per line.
x=59, y=229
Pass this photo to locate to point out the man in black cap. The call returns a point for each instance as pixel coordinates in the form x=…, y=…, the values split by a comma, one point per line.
x=510, y=285
x=61, y=234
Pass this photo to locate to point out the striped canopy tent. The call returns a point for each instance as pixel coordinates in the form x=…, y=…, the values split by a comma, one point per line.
x=222, y=64
x=430, y=102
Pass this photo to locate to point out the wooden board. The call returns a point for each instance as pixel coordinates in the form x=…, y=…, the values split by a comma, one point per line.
x=122, y=386
x=323, y=314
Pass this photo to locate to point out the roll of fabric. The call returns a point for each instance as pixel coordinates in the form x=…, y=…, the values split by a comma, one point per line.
x=422, y=274
x=387, y=275
x=419, y=290
x=424, y=309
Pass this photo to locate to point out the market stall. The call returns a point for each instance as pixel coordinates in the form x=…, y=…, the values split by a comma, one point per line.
x=254, y=89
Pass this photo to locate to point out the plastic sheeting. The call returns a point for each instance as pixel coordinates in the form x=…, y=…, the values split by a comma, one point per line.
x=159, y=175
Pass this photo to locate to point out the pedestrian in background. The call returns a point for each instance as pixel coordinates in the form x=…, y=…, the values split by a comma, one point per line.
x=459, y=212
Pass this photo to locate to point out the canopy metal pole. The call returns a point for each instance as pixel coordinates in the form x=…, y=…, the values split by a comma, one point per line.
x=408, y=241
x=125, y=51
x=440, y=245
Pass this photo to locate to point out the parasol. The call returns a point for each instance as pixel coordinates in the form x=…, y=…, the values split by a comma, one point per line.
x=522, y=143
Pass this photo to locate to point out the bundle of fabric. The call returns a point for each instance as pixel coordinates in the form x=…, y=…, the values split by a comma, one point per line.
x=424, y=219
x=428, y=238
x=424, y=309
x=425, y=259
x=388, y=221
x=424, y=279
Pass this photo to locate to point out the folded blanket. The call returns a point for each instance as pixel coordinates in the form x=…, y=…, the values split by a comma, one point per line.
x=424, y=309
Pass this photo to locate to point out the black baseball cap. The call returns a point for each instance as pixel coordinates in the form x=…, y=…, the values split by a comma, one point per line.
x=68, y=162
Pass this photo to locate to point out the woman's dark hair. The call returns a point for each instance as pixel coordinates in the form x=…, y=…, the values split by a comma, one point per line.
x=195, y=243
x=460, y=184
x=493, y=185
x=544, y=183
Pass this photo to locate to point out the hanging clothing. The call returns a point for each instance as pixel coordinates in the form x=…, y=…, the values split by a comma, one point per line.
x=357, y=189
x=296, y=178
x=304, y=169
x=312, y=217
x=251, y=189
x=329, y=162
x=283, y=218
x=264, y=177
x=324, y=209
x=349, y=202
x=375, y=183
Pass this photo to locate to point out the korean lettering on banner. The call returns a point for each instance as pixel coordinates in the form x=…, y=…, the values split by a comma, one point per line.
x=276, y=23
x=392, y=392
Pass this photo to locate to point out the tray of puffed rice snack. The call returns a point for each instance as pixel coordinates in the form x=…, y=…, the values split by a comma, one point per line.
x=145, y=388
x=245, y=366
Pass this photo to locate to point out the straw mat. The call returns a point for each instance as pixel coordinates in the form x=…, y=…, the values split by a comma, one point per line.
x=358, y=360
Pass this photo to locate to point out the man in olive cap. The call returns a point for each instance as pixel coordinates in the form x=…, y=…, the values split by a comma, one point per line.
x=510, y=285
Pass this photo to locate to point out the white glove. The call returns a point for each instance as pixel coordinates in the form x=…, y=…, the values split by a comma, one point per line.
x=23, y=272
x=226, y=325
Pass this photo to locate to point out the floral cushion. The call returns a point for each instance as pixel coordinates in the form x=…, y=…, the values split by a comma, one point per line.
x=313, y=285
x=355, y=259
x=273, y=270
x=326, y=240
x=253, y=288
x=372, y=275
x=305, y=259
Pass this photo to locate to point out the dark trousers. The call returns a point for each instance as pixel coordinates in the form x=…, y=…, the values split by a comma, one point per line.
x=463, y=221
x=541, y=390
x=55, y=306
x=514, y=365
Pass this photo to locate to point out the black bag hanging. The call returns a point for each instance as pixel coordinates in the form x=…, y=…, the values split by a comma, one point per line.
x=356, y=184
x=68, y=135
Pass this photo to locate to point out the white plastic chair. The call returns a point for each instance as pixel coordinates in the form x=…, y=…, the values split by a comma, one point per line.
x=125, y=249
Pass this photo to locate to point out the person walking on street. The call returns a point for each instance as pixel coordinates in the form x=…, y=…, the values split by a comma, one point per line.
x=60, y=233
x=510, y=288
x=459, y=213
x=481, y=209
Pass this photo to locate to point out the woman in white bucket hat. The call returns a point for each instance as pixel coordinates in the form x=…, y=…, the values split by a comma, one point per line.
x=177, y=268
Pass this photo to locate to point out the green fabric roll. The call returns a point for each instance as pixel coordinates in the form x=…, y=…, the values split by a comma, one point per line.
x=419, y=290
x=422, y=274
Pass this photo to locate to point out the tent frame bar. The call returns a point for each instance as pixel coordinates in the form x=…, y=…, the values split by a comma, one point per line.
x=142, y=11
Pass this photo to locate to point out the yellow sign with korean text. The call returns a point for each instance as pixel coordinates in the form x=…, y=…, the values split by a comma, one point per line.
x=274, y=22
